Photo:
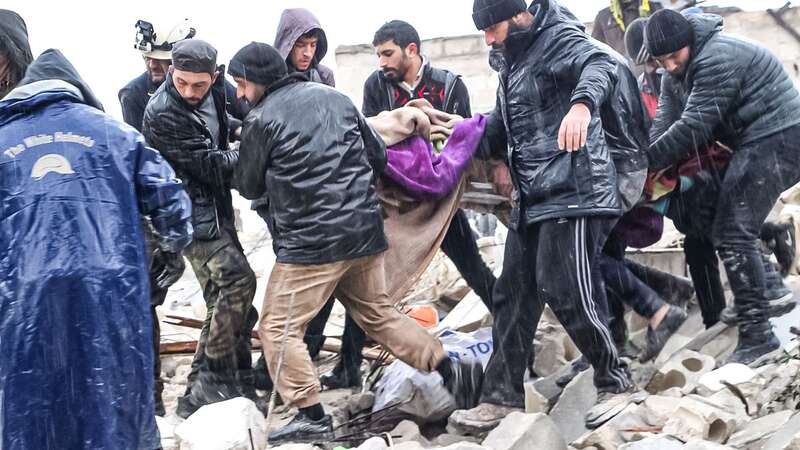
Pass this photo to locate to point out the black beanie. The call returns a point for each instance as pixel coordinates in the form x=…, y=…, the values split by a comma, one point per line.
x=486, y=13
x=194, y=55
x=667, y=31
x=259, y=63
x=634, y=41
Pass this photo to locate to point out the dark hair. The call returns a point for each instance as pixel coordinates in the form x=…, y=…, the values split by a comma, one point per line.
x=311, y=34
x=18, y=59
x=402, y=33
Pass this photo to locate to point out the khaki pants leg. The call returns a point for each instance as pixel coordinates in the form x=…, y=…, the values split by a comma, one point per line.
x=362, y=291
x=295, y=294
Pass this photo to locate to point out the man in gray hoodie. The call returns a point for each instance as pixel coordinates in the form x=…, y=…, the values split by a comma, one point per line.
x=302, y=43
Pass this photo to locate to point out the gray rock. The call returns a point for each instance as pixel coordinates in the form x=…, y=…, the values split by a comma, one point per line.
x=519, y=431
x=704, y=445
x=443, y=440
x=534, y=401
x=682, y=370
x=701, y=418
x=548, y=388
x=654, y=443
x=579, y=396
x=783, y=437
x=407, y=431
x=611, y=435
x=373, y=443
x=751, y=435
x=659, y=409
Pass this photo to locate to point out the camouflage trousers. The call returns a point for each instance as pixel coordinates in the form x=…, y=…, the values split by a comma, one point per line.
x=229, y=286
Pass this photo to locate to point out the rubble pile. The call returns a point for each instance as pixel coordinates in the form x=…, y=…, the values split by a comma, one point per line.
x=691, y=400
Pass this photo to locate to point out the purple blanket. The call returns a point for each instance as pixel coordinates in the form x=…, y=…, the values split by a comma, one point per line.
x=425, y=175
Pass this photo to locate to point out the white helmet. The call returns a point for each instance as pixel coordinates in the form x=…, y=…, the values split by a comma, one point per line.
x=157, y=43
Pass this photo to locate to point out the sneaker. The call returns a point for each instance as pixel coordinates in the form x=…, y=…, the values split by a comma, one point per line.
x=609, y=404
x=478, y=420
x=465, y=384
x=656, y=339
x=575, y=369
x=755, y=352
x=303, y=429
x=212, y=387
x=341, y=378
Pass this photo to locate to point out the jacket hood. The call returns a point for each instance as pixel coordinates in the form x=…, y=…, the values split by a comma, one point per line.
x=53, y=65
x=14, y=36
x=705, y=27
x=295, y=23
x=50, y=78
x=546, y=14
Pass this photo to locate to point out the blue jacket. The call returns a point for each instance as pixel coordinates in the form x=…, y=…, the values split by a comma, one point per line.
x=75, y=331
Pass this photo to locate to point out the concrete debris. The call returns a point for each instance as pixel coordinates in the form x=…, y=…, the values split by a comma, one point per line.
x=750, y=436
x=735, y=374
x=699, y=418
x=570, y=411
x=659, y=409
x=534, y=401
x=683, y=370
x=627, y=426
x=234, y=424
x=373, y=443
x=654, y=443
x=407, y=431
x=519, y=431
x=783, y=437
x=704, y=445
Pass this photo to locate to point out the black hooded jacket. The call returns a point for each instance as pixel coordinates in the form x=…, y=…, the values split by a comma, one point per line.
x=295, y=23
x=547, y=69
x=134, y=97
x=312, y=152
x=178, y=131
x=733, y=91
x=14, y=42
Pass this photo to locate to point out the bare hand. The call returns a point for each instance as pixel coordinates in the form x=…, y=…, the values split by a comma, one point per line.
x=574, y=128
x=501, y=178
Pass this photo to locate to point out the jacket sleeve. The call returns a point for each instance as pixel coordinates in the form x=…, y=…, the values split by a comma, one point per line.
x=494, y=144
x=372, y=97
x=597, y=76
x=132, y=108
x=669, y=109
x=461, y=96
x=716, y=85
x=373, y=145
x=254, y=151
x=163, y=199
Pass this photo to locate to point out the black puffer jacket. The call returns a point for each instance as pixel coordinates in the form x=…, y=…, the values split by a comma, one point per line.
x=309, y=148
x=734, y=91
x=546, y=70
x=177, y=130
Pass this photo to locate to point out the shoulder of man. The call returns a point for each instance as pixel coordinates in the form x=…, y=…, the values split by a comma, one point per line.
x=137, y=86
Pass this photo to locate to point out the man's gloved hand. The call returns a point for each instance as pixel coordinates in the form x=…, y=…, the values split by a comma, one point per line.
x=167, y=268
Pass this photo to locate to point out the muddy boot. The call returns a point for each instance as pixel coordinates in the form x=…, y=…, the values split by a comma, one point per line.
x=656, y=339
x=757, y=345
x=304, y=429
x=610, y=404
x=341, y=377
x=479, y=420
x=779, y=302
x=577, y=366
x=245, y=380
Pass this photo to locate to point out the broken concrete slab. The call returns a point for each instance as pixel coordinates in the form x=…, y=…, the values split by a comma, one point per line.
x=548, y=388
x=373, y=443
x=697, y=417
x=551, y=349
x=722, y=346
x=659, y=409
x=569, y=413
x=783, y=437
x=654, y=443
x=627, y=426
x=407, y=431
x=443, y=440
x=704, y=445
x=683, y=370
x=519, y=431
x=534, y=401
x=750, y=436
x=234, y=424
x=735, y=374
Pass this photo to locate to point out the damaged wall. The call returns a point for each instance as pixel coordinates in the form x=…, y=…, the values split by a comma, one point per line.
x=468, y=55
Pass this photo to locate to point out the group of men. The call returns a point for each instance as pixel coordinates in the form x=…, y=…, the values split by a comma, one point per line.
x=572, y=146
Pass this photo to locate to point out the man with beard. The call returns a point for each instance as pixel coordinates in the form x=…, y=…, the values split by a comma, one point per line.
x=187, y=122
x=724, y=89
x=558, y=93
x=405, y=75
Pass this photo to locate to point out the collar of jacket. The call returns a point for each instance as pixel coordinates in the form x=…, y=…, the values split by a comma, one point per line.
x=294, y=77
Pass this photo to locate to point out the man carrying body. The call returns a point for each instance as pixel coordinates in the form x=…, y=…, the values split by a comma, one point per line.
x=720, y=88
x=328, y=232
x=555, y=85
x=76, y=333
x=406, y=75
x=186, y=121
